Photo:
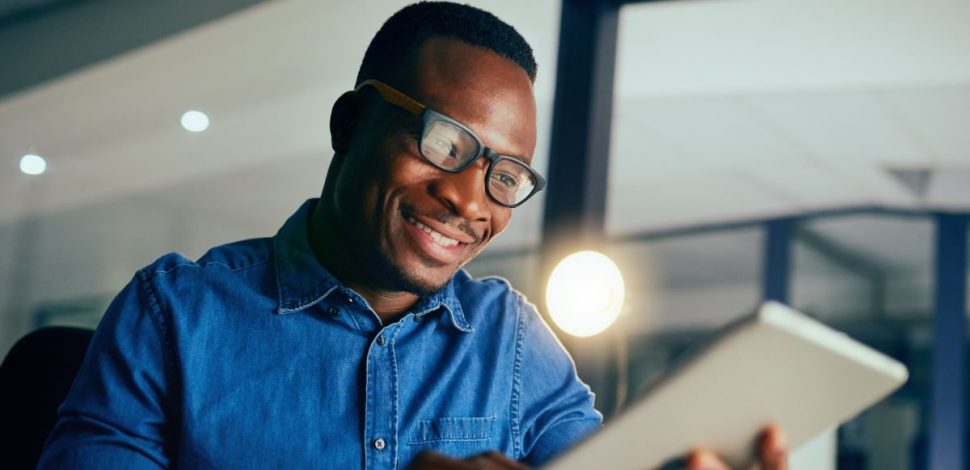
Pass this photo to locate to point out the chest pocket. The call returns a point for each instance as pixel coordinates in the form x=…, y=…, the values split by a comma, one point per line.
x=455, y=436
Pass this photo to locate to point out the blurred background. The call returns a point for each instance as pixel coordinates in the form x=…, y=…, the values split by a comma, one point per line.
x=840, y=126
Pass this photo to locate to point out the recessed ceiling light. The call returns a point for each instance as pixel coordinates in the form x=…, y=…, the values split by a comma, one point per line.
x=195, y=121
x=32, y=164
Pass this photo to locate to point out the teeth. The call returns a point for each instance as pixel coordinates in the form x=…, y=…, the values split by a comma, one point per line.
x=437, y=237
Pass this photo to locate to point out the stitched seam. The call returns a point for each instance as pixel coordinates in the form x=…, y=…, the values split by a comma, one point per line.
x=279, y=274
x=459, y=419
x=564, y=422
x=574, y=420
x=236, y=269
x=173, y=268
x=203, y=266
x=482, y=436
x=368, y=416
x=394, y=393
x=161, y=327
x=514, y=419
x=308, y=304
x=450, y=439
x=490, y=278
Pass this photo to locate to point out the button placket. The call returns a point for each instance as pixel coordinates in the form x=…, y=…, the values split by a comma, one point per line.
x=381, y=427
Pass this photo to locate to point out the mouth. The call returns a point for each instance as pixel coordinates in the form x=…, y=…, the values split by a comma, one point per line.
x=433, y=244
x=436, y=236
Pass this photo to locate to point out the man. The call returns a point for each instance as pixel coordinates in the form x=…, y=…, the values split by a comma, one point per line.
x=352, y=338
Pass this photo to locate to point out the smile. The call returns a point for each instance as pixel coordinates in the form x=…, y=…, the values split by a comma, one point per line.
x=436, y=236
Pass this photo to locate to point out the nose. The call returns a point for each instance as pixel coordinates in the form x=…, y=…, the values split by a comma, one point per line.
x=464, y=192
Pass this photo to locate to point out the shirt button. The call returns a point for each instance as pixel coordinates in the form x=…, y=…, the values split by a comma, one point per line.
x=348, y=299
x=379, y=444
x=333, y=312
x=380, y=340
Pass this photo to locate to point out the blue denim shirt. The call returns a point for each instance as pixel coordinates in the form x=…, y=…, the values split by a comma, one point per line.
x=255, y=356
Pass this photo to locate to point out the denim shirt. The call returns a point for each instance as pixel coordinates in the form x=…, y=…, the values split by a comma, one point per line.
x=255, y=356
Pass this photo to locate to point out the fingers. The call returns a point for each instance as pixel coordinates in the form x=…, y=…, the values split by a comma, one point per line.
x=428, y=460
x=772, y=449
x=495, y=460
x=772, y=454
x=705, y=460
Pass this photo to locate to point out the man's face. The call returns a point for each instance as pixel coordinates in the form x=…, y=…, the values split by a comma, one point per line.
x=402, y=215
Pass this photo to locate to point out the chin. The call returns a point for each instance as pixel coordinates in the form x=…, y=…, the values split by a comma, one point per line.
x=422, y=285
x=415, y=277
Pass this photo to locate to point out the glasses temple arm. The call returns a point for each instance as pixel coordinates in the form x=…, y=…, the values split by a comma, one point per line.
x=393, y=96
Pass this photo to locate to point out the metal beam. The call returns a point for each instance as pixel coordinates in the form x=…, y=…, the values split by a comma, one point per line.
x=948, y=432
x=575, y=203
x=776, y=259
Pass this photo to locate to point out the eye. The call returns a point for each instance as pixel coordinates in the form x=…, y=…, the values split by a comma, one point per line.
x=443, y=147
x=507, y=180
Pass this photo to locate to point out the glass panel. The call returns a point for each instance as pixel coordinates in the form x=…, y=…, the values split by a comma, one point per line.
x=870, y=275
x=721, y=117
x=679, y=289
x=863, y=268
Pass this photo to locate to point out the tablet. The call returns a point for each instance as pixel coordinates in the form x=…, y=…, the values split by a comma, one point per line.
x=774, y=366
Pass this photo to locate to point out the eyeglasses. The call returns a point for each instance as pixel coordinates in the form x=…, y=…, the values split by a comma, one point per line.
x=452, y=147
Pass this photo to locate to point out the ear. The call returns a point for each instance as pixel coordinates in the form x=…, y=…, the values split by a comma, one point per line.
x=343, y=121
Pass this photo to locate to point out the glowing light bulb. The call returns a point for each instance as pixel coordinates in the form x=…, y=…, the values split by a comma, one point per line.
x=585, y=293
x=32, y=164
x=195, y=121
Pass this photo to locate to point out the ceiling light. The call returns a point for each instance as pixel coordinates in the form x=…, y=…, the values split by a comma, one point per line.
x=195, y=121
x=32, y=164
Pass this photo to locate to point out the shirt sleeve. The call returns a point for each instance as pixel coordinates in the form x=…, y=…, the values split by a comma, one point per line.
x=555, y=407
x=114, y=415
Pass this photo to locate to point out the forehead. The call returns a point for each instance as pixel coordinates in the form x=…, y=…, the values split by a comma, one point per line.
x=489, y=93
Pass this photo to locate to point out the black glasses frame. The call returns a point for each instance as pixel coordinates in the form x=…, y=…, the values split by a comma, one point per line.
x=429, y=116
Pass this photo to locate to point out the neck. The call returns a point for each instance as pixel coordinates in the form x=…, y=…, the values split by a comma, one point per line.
x=336, y=255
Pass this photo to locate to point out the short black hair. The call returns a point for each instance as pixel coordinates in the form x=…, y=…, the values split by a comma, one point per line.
x=405, y=31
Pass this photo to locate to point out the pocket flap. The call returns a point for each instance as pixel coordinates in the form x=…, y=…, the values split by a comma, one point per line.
x=454, y=429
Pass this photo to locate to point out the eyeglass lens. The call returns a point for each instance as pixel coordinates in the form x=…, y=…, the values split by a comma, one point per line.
x=450, y=147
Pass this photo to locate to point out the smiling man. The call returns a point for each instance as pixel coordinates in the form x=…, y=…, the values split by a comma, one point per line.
x=352, y=338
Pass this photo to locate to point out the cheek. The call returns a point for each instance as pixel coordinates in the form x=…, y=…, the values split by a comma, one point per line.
x=501, y=216
x=373, y=174
x=409, y=172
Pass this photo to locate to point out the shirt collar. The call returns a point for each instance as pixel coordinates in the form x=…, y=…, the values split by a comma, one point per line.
x=303, y=282
x=444, y=298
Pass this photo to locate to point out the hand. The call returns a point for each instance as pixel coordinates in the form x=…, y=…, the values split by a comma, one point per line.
x=772, y=454
x=491, y=460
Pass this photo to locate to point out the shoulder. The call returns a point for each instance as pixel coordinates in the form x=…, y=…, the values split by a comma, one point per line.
x=231, y=257
x=492, y=301
x=488, y=289
x=492, y=291
x=224, y=272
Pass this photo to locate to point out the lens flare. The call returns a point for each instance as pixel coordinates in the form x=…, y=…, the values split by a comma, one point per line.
x=585, y=293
